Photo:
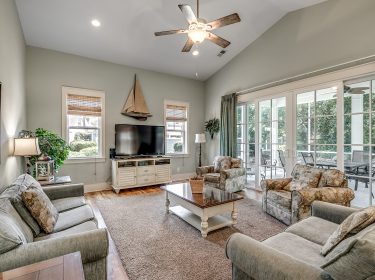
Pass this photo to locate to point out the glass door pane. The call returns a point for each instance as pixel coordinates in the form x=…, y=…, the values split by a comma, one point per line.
x=358, y=139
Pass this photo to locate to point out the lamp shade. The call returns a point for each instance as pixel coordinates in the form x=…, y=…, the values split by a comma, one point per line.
x=200, y=138
x=26, y=147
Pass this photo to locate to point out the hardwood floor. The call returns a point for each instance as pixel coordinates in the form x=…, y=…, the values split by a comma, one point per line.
x=115, y=270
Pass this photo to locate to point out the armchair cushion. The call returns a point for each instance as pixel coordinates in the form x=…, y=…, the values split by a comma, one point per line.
x=204, y=170
x=236, y=163
x=350, y=226
x=212, y=177
x=307, y=196
x=280, y=197
x=304, y=177
x=332, y=178
x=232, y=173
x=222, y=163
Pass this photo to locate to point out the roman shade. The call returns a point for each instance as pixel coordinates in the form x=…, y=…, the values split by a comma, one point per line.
x=83, y=105
x=176, y=113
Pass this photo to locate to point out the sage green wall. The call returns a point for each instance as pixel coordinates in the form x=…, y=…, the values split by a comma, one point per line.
x=12, y=78
x=47, y=71
x=319, y=36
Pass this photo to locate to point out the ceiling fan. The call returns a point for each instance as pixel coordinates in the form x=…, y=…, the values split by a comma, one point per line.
x=357, y=90
x=199, y=29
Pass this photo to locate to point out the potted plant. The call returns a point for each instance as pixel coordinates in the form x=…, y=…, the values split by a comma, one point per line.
x=212, y=126
x=52, y=145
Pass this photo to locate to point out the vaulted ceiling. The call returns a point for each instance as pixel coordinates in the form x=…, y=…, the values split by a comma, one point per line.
x=126, y=35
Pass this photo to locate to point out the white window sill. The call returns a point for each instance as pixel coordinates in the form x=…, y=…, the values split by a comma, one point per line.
x=178, y=155
x=84, y=160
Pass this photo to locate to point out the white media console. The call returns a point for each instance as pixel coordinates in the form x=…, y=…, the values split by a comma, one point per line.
x=139, y=172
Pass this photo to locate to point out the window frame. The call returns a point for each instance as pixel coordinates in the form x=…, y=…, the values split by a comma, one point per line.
x=186, y=139
x=86, y=92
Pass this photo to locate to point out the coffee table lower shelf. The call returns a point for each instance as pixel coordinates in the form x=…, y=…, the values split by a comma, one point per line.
x=214, y=223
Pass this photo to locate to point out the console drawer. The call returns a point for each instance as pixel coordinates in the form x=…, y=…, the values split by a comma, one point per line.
x=145, y=170
x=149, y=179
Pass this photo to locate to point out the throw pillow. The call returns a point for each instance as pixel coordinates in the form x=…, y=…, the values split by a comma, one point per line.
x=10, y=234
x=236, y=163
x=332, y=178
x=304, y=178
x=41, y=208
x=222, y=163
x=350, y=226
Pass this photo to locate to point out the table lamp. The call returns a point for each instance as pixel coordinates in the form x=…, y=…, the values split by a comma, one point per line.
x=199, y=139
x=26, y=147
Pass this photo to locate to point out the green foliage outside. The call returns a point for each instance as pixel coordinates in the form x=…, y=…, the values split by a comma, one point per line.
x=78, y=145
x=177, y=147
x=52, y=145
x=90, y=151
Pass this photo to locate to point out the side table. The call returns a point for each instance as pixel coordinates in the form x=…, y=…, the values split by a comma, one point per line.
x=58, y=180
x=67, y=267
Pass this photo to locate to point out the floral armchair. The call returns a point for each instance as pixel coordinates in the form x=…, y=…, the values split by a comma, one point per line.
x=226, y=174
x=290, y=199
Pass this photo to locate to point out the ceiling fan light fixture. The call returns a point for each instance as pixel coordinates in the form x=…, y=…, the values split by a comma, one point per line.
x=197, y=36
x=195, y=52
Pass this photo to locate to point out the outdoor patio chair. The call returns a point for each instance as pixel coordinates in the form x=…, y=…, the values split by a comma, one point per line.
x=282, y=160
x=308, y=158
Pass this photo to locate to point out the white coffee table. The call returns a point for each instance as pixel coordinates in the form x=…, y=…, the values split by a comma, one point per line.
x=203, y=211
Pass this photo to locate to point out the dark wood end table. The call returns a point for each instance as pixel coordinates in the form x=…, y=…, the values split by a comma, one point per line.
x=67, y=267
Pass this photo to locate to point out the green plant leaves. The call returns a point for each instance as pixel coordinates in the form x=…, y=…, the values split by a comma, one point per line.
x=212, y=126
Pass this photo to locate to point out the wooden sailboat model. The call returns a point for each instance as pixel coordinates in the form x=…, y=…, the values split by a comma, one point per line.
x=135, y=105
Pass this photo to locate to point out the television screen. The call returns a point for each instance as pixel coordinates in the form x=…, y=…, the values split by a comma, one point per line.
x=134, y=140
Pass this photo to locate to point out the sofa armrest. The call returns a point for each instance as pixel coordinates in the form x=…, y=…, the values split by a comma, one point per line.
x=307, y=196
x=204, y=170
x=93, y=246
x=331, y=212
x=274, y=184
x=260, y=261
x=232, y=173
x=63, y=191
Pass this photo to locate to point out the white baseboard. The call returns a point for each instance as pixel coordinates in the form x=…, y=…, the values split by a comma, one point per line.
x=97, y=187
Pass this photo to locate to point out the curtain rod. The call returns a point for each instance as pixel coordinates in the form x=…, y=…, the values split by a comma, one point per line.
x=322, y=71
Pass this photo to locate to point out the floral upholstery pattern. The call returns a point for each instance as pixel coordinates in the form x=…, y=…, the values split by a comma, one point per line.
x=334, y=189
x=236, y=163
x=222, y=163
x=231, y=179
x=41, y=208
x=332, y=178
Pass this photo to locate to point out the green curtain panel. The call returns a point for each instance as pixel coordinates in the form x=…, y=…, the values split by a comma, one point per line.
x=228, y=141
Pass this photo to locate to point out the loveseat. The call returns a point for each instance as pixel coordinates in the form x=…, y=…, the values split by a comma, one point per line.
x=290, y=199
x=226, y=174
x=295, y=253
x=76, y=229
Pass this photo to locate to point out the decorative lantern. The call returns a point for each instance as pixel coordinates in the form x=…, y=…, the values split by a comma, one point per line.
x=44, y=170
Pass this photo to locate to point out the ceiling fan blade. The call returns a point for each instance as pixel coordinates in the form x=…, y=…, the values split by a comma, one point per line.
x=189, y=44
x=170, y=32
x=188, y=13
x=218, y=40
x=233, y=18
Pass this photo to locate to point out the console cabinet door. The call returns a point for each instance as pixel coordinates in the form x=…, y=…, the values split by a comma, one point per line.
x=163, y=173
x=127, y=176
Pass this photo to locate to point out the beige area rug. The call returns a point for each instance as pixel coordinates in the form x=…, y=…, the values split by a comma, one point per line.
x=154, y=245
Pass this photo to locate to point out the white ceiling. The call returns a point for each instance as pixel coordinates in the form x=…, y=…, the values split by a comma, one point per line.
x=127, y=32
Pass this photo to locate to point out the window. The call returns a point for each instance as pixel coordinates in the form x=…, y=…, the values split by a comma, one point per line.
x=83, y=122
x=176, y=123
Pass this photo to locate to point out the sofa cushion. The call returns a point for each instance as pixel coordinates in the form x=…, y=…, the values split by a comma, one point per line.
x=73, y=217
x=64, y=204
x=13, y=193
x=353, y=256
x=353, y=224
x=40, y=208
x=10, y=233
x=281, y=197
x=332, y=178
x=304, y=177
x=86, y=226
x=222, y=163
x=297, y=247
x=7, y=207
x=212, y=177
x=314, y=229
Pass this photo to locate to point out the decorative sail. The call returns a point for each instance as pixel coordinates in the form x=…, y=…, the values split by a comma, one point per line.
x=135, y=105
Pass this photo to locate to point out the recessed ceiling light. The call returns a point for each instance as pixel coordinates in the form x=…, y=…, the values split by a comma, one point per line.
x=195, y=52
x=96, y=23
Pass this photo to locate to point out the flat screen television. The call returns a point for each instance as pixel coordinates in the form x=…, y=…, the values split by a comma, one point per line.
x=139, y=140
